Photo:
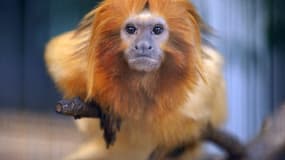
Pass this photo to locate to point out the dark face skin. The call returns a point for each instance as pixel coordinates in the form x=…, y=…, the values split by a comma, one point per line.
x=144, y=34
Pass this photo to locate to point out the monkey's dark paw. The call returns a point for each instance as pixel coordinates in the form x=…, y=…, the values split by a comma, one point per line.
x=110, y=124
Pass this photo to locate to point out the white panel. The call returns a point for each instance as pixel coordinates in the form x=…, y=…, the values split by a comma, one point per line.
x=240, y=35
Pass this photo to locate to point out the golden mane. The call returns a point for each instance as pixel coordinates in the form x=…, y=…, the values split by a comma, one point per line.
x=109, y=75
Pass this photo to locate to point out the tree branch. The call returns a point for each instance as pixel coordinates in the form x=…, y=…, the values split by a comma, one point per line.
x=78, y=109
x=268, y=145
x=233, y=147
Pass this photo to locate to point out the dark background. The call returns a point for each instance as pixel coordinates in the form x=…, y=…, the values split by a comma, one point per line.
x=26, y=26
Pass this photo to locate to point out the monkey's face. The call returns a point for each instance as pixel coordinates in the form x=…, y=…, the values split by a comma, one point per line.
x=143, y=35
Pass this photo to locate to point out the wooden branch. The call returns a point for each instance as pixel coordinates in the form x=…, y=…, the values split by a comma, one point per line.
x=233, y=147
x=78, y=109
x=268, y=145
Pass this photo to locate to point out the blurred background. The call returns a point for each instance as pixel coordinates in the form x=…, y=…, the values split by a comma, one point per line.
x=249, y=33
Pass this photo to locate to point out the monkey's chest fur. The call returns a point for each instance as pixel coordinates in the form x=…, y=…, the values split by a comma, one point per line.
x=173, y=129
x=149, y=112
x=141, y=136
x=155, y=110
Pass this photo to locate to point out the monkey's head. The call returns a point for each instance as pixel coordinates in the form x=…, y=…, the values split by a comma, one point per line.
x=132, y=38
x=144, y=35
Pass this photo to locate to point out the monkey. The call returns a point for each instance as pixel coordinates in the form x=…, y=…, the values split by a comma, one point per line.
x=144, y=62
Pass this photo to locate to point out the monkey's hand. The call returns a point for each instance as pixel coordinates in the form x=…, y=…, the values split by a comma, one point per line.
x=110, y=124
x=78, y=109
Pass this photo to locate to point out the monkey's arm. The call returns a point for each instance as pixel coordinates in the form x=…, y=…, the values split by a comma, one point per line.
x=67, y=65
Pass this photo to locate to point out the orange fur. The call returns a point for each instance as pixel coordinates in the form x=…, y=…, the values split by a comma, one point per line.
x=122, y=88
x=168, y=107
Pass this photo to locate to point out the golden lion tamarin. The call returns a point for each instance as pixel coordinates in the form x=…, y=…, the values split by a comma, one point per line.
x=143, y=61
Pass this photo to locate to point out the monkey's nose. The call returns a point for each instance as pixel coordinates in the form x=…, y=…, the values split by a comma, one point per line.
x=143, y=46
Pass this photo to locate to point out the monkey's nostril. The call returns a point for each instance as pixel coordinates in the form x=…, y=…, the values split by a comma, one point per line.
x=142, y=46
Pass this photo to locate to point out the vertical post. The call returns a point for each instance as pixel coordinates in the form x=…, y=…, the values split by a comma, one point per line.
x=11, y=63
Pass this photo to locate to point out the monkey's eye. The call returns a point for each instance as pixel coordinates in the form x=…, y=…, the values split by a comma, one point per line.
x=158, y=29
x=131, y=29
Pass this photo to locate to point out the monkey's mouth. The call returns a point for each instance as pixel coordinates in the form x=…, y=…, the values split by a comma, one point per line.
x=144, y=63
